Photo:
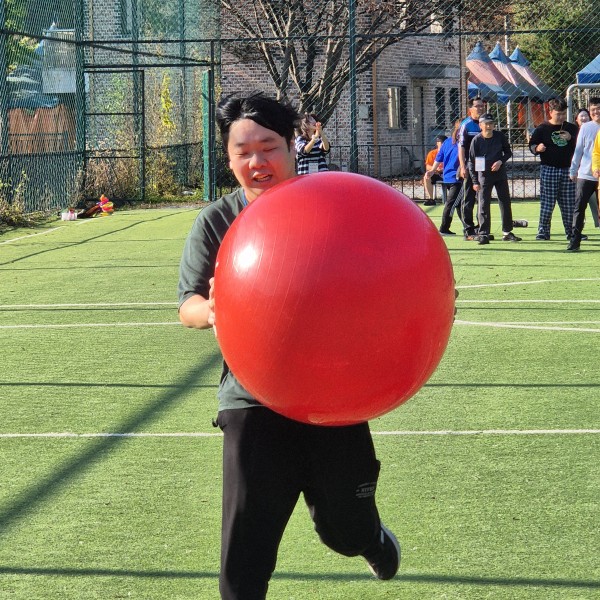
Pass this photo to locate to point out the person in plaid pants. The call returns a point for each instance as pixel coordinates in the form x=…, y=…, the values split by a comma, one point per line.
x=554, y=142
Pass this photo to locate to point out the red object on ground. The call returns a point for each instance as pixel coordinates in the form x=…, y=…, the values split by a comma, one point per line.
x=334, y=298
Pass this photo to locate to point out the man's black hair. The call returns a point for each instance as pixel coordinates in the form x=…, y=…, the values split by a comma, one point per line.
x=594, y=101
x=276, y=115
x=472, y=101
x=558, y=104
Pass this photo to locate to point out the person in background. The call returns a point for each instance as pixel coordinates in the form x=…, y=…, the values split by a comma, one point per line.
x=447, y=156
x=586, y=184
x=437, y=175
x=268, y=459
x=312, y=146
x=469, y=128
x=554, y=142
x=583, y=116
x=488, y=154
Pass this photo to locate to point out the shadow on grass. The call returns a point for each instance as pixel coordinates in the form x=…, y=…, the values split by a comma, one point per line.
x=292, y=576
x=533, y=386
x=90, y=309
x=31, y=499
x=62, y=246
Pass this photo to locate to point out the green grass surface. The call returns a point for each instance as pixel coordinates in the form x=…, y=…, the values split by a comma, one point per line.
x=488, y=476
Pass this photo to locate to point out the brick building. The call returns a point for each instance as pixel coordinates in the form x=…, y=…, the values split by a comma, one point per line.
x=409, y=95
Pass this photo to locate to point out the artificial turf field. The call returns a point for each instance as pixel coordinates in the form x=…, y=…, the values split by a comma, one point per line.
x=110, y=476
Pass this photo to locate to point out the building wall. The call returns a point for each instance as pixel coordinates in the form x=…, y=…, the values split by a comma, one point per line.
x=400, y=150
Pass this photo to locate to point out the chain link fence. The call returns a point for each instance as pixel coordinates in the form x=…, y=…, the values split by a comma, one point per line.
x=117, y=96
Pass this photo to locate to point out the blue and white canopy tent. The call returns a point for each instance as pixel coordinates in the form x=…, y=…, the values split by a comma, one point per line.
x=523, y=67
x=486, y=81
x=590, y=73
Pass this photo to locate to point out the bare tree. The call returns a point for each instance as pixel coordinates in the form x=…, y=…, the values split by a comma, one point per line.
x=304, y=44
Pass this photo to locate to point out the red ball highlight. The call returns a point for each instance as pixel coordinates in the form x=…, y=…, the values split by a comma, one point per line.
x=334, y=298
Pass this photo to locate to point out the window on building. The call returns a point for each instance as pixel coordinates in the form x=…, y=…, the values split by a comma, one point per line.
x=398, y=107
x=448, y=19
x=444, y=21
x=440, y=108
x=454, y=105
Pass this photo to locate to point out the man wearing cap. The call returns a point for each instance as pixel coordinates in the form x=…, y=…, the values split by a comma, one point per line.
x=429, y=160
x=488, y=154
x=469, y=128
x=554, y=142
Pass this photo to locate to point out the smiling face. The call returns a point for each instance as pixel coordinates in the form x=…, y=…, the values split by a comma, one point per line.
x=582, y=118
x=259, y=157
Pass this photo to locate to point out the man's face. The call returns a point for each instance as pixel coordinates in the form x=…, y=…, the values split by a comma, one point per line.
x=558, y=117
x=259, y=157
x=595, y=113
x=487, y=128
x=477, y=109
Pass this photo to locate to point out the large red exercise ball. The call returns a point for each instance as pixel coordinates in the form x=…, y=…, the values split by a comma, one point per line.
x=334, y=298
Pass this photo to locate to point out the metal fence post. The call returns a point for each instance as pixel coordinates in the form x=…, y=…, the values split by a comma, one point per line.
x=4, y=144
x=80, y=97
x=208, y=135
x=353, y=163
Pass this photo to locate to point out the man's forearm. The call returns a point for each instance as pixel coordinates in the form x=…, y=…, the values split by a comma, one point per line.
x=196, y=312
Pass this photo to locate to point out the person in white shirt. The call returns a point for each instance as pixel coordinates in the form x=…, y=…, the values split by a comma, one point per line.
x=581, y=173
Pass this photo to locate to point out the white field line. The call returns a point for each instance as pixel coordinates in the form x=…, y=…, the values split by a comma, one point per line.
x=532, y=301
x=443, y=432
x=174, y=304
x=24, y=237
x=87, y=304
x=534, y=282
x=84, y=325
x=505, y=325
x=517, y=326
x=128, y=304
x=551, y=322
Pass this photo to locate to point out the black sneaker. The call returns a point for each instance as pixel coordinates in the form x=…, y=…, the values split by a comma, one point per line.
x=483, y=239
x=582, y=237
x=429, y=203
x=574, y=245
x=520, y=223
x=511, y=237
x=446, y=232
x=542, y=236
x=384, y=561
x=490, y=237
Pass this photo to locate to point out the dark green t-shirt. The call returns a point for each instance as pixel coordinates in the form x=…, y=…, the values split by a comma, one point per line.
x=198, y=266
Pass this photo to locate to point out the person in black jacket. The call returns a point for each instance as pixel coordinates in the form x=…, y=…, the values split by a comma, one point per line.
x=554, y=142
x=488, y=154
